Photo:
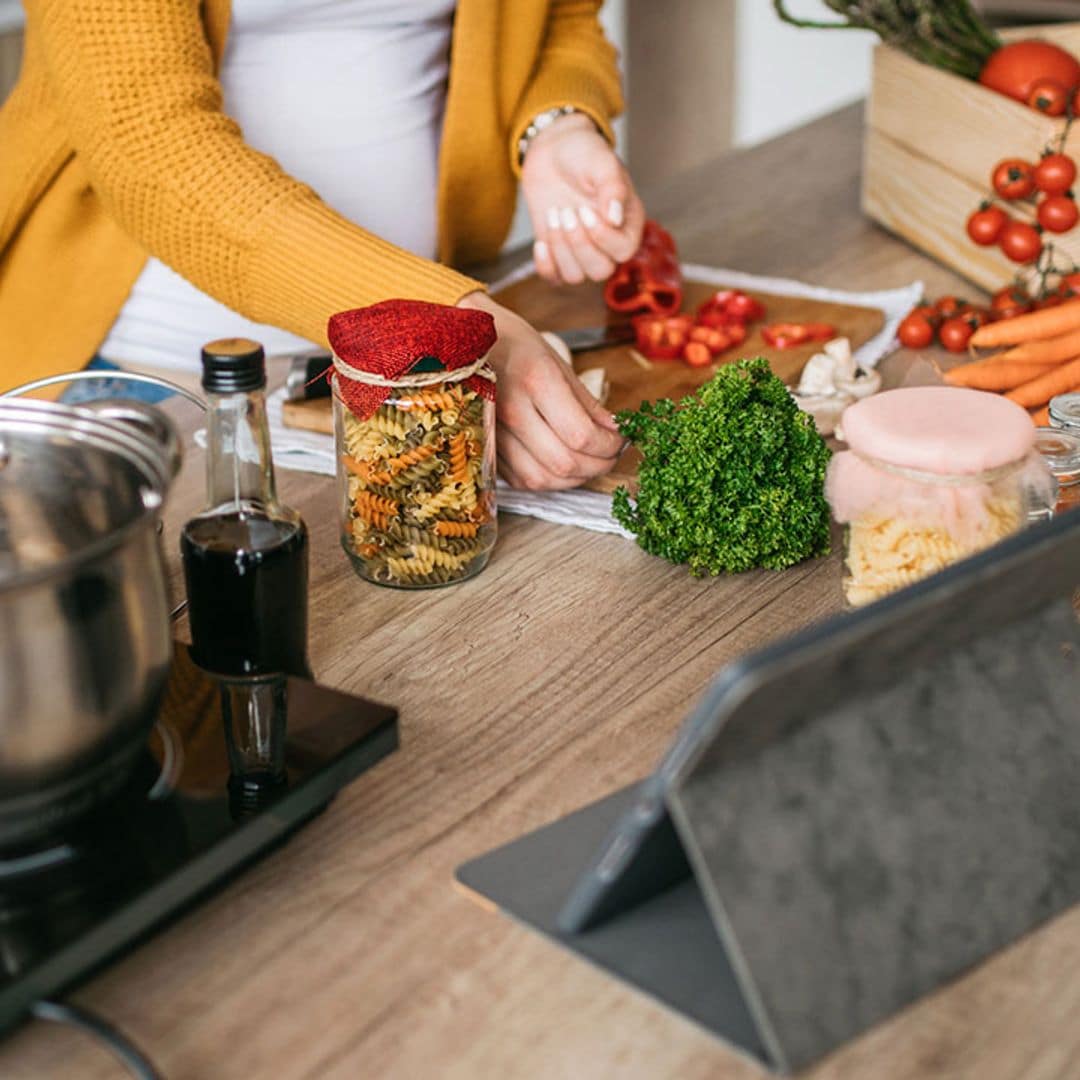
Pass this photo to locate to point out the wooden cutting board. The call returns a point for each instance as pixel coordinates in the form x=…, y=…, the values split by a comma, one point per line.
x=633, y=382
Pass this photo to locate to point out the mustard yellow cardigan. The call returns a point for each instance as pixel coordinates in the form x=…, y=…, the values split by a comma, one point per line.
x=114, y=146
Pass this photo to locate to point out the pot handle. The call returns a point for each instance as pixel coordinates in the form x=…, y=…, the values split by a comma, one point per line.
x=118, y=412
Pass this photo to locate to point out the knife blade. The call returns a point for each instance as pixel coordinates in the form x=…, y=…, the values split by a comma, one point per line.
x=588, y=338
x=303, y=369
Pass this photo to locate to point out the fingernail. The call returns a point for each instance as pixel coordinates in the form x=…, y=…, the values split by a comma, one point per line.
x=569, y=219
x=540, y=249
x=588, y=217
x=615, y=212
x=553, y=218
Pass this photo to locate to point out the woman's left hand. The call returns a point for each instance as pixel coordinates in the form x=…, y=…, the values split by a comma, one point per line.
x=586, y=215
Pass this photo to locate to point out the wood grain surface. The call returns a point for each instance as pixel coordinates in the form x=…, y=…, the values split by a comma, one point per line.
x=634, y=379
x=557, y=675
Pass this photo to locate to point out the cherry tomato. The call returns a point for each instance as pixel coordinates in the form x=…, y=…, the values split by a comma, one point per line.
x=948, y=306
x=697, y=354
x=1013, y=178
x=976, y=316
x=955, y=333
x=1021, y=242
x=1075, y=106
x=1050, y=300
x=928, y=311
x=1070, y=283
x=1058, y=213
x=915, y=332
x=1055, y=174
x=1008, y=302
x=1048, y=96
x=985, y=225
x=1015, y=68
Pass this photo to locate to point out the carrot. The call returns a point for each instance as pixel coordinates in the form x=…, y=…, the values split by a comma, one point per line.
x=985, y=375
x=1041, y=417
x=1045, y=351
x=1039, y=391
x=1036, y=326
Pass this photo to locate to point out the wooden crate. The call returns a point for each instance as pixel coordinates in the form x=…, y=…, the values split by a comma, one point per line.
x=932, y=141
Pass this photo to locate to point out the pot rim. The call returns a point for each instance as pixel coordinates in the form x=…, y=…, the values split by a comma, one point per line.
x=113, y=436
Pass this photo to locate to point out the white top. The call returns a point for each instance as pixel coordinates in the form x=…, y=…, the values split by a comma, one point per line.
x=296, y=75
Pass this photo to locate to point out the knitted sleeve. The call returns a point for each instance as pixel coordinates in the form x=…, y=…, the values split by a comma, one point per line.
x=136, y=89
x=578, y=66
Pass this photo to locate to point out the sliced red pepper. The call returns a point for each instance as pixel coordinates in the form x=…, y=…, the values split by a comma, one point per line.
x=729, y=306
x=661, y=337
x=697, y=354
x=716, y=339
x=787, y=335
x=650, y=280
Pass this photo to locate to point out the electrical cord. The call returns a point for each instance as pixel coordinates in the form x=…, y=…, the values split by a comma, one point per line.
x=60, y=1012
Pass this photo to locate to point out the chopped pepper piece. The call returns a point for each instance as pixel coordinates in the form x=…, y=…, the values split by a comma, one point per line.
x=661, y=337
x=650, y=280
x=787, y=335
x=729, y=306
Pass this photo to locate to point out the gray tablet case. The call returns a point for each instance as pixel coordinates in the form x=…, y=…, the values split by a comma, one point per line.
x=850, y=817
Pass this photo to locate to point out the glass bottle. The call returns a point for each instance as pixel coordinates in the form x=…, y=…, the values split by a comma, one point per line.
x=246, y=555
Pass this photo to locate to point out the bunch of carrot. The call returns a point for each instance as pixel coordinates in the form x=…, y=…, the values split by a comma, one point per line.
x=1041, y=361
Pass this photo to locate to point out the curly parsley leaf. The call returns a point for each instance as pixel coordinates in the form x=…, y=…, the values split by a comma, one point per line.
x=731, y=478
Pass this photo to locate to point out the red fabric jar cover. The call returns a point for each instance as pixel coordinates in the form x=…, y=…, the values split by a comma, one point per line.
x=388, y=339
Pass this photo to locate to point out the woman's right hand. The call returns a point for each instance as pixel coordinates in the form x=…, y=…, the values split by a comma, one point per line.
x=551, y=432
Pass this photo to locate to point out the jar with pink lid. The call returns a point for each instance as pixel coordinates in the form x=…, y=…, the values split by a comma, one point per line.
x=932, y=474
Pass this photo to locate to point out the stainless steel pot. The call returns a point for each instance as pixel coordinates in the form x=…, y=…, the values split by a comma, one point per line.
x=85, y=638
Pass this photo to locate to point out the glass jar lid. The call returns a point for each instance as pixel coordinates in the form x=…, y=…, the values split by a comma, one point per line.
x=1065, y=411
x=1060, y=450
x=944, y=430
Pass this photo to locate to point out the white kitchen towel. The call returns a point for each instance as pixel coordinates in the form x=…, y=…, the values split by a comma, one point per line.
x=310, y=452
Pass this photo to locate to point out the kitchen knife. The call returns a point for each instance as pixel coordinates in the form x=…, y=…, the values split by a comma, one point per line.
x=303, y=369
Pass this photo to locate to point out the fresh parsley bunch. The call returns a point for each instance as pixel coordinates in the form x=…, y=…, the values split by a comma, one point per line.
x=731, y=477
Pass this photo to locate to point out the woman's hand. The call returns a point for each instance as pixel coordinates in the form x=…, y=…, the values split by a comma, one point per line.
x=585, y=213
x=551, y=432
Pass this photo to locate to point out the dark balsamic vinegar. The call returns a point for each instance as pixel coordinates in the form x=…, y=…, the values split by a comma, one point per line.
x=246, y=579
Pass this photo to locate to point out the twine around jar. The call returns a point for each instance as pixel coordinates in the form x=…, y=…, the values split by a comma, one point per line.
x=478, y=367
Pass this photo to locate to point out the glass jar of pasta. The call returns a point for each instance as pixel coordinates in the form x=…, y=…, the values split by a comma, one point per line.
x=933, y=474
x=415, y=439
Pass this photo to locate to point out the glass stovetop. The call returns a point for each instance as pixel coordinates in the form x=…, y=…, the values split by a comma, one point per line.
x=178, y=830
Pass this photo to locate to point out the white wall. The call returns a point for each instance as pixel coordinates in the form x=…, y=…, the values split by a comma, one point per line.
x=786, y=75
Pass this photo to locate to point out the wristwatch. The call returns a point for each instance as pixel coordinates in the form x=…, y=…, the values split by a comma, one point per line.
x=538, y=123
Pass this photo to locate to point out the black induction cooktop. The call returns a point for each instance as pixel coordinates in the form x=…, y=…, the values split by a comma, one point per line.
x=183, y=824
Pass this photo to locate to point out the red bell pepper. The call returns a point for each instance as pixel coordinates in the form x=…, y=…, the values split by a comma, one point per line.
x=697, y=354
x=729, y=306
x=787, y=335
x=650, y=280
x=661, y=337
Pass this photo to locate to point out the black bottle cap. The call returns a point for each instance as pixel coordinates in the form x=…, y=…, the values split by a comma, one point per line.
x=233, y=366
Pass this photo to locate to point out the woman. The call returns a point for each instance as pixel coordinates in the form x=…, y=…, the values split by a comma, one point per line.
x=175, y=171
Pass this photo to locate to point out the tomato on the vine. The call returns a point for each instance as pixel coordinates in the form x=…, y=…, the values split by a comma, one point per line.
x=948, y=306
x=1014, y=178
x=1021, y=242
x=985, y=224
x=928, y=311
x=1055, y=174
x=916, y=331
x=1058, y=213
x=1070, y=283
x=1008, y=302
x=955, y=333
x=1015, y=68
x=1049, y=96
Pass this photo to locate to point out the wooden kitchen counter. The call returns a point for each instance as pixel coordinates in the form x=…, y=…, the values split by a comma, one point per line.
x=556, y=676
